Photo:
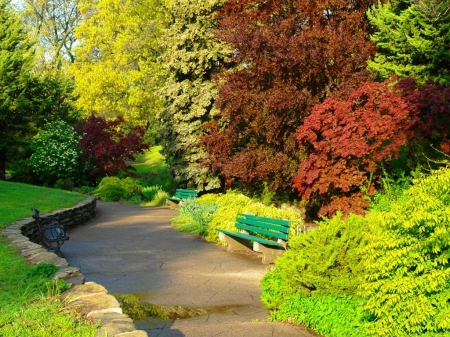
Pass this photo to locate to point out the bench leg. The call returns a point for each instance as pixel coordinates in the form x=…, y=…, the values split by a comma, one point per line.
x=270, y=253
x=235, y=244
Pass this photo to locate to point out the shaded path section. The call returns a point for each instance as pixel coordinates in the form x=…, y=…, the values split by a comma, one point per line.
x=133, y=249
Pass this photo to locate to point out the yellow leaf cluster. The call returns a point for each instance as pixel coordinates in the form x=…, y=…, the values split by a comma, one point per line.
x=116, y=71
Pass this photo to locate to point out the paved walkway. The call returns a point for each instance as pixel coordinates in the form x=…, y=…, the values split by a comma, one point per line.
x=132, y=249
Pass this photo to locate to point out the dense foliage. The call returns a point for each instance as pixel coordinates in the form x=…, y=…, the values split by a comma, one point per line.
x=346, y=142
x=432, y=127
x=407, y=268
x=116, y=68
x=387, y=273
x=106, y=147
x=413, y=39
x=315, y=279
x=192, y=56
x=289, y=55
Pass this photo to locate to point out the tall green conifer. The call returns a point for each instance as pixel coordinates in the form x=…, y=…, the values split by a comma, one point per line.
x=413, y=40
x=192, y=56
x=16, y=59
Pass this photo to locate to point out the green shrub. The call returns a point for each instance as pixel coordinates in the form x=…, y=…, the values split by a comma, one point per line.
x=407, y=268
x=393, y=191
x=84, y=189
x=315, y=279
x=64, y=184
x=325, y=261
x=131, y=186
x=115, y=189
x=110, y=189
x=194, y=217
x=150, y=192
x=43, y=269
x=159, y=199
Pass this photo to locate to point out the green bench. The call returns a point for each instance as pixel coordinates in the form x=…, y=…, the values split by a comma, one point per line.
x=271, y=240
x=180, y=195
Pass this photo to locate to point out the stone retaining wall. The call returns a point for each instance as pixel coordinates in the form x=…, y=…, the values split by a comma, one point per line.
x=73, y=216
x=90, y=298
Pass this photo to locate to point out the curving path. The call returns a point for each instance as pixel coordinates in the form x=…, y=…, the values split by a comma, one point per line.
x=132, y=249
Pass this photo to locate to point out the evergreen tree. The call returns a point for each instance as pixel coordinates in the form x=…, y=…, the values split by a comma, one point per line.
x=413, y=40
x=192, y=57
x=16, y=58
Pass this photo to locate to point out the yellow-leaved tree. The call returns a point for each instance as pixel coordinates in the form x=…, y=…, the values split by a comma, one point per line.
x=116, y=70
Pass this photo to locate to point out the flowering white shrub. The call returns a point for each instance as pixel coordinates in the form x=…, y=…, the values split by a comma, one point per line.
x=55, y=153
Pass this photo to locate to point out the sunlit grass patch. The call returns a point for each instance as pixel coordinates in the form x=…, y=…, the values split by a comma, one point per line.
x=16, y=200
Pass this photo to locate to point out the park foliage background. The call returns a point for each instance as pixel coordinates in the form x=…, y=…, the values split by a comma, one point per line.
x=336, y=107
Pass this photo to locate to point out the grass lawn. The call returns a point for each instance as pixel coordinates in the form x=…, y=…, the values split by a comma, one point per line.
x=29, y=305
x=17, y=199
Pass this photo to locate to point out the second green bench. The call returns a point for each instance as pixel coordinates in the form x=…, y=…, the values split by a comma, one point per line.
x=270, y=239
x=180, y=195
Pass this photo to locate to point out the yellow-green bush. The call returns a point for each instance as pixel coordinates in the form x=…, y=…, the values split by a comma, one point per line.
x=232, y=203
x=407, y=270
x=315, y=280
x=115, y=189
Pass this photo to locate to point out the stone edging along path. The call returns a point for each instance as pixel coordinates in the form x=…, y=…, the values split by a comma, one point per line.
x=90, y=298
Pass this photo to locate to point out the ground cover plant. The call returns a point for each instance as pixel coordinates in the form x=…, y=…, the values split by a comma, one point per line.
x=28, y=300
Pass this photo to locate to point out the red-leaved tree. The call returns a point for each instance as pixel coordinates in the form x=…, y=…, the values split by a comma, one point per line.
x=105, y=147
x=347, y=141
x=289, y=56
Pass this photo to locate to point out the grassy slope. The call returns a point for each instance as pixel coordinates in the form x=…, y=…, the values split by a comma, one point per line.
x=29, y=305
x=152, y=165
x=150, y=160
x=16, y=200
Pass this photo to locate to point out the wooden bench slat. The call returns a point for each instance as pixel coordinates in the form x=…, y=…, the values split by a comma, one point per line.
x=256, y=223
x=250, y=237
x=282, y=222
x=262, y=231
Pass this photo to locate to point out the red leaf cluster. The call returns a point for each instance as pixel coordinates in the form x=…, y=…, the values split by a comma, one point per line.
x=105, y=147
x=432, y=125
x=347, y=141
x=289, y=56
